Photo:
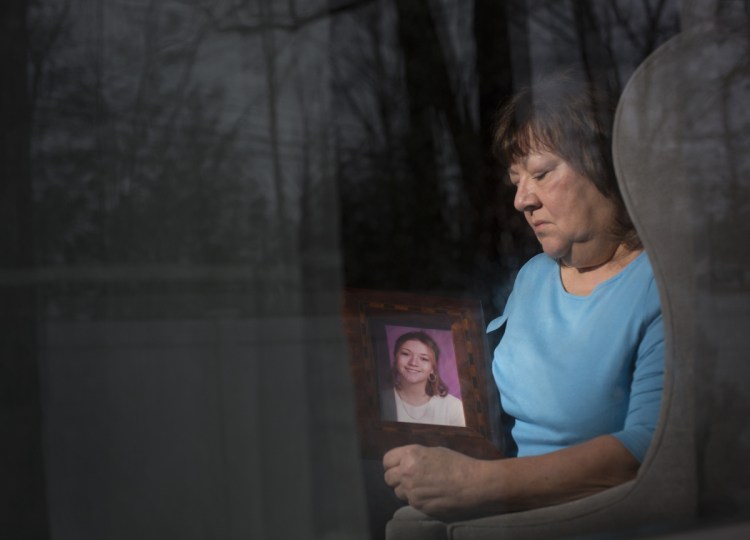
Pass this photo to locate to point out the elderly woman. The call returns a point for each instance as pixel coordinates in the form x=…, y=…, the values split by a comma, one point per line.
x=419, y=395
x=580, y=365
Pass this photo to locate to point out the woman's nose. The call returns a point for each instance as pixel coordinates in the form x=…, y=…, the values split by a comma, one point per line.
x=525, y=198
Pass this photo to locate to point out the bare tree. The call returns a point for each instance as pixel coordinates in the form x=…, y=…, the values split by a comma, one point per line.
x=133, y=187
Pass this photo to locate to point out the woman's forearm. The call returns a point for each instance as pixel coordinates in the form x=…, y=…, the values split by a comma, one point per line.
x=560, y=476
x=446, y=484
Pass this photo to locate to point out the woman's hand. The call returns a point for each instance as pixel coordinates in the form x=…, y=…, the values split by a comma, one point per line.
x=437, y=481
x=446, y=484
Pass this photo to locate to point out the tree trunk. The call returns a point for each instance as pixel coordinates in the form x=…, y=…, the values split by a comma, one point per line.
x=420, y=204
x=504, y=239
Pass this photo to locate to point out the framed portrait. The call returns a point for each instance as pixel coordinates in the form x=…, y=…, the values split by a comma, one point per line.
x=420, y=367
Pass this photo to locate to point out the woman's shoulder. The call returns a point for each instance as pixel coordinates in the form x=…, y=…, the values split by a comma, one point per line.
x=448, y=401
x=636, y=276
x=642, y=279
x=449, y=398
x=539, y=265
x=537, y=270
x=541, y=262
x=634, y=290
x=451, y=409
x=540, y=269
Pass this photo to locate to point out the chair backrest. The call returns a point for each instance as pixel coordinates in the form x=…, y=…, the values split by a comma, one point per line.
x=682, y=136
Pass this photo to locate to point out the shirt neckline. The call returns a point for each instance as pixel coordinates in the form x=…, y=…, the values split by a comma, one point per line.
x=632, y=264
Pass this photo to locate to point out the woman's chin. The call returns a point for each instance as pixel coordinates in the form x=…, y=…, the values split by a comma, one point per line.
x=555, y=247
x=553, y=251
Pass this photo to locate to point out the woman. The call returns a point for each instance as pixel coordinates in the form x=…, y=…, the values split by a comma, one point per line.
x=580, y=365
x=420, y=395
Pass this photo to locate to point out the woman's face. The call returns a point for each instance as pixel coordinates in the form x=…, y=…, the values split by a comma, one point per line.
x=415, y=362
x=569, y=215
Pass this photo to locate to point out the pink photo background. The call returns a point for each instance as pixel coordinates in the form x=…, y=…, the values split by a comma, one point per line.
x=447, y=362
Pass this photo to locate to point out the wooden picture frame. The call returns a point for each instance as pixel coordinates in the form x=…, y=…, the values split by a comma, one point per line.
x=371, y=320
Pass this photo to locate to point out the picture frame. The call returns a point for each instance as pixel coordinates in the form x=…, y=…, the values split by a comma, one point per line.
x=373, y=321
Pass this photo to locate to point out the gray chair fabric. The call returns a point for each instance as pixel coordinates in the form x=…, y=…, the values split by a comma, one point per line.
x=680, y=132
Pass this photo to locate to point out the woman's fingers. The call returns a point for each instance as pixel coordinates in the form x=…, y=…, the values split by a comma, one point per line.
x=399, y=466
x=392, y=457
x=393, y=477
x=401, y=493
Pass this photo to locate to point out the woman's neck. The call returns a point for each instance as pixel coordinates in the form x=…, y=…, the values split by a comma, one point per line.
x=582, y=279
x=413, y=394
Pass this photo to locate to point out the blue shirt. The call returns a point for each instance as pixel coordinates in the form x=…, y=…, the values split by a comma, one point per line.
x=570, y=368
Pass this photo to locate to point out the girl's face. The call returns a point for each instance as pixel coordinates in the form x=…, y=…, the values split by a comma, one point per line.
x=415, y=362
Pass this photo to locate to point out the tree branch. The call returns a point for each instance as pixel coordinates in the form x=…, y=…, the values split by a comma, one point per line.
x=295, y=23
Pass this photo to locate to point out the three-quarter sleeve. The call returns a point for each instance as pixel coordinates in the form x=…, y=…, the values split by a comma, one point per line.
x=645, y=391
